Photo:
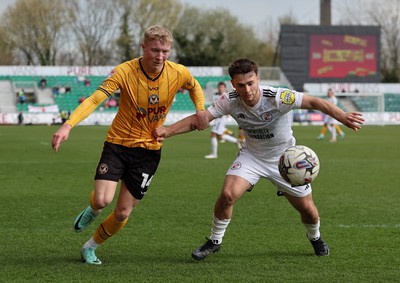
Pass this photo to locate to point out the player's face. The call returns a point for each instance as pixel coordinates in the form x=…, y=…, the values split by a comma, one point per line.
x=221, y=89
x=155, y=53
x=246, y=86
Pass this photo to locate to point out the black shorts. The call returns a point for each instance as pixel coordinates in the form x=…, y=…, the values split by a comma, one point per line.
x=135, y=166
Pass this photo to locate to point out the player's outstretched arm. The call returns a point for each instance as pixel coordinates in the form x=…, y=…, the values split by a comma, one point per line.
x=60, y=135
x=201, y=120
x=353, y=120
x=185, y=125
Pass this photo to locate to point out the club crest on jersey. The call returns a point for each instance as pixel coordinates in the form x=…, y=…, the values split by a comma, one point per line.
x=103, y=169
x=287, y=97
x=236, y=165
x=266, y=116
x=153, y=99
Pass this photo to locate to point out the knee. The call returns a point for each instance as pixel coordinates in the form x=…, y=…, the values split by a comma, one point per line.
x=122, y=214
x=309, y=214
x=226, y=199
x=100, y=202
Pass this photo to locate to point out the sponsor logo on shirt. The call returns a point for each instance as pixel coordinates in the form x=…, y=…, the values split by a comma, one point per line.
x=153, y=114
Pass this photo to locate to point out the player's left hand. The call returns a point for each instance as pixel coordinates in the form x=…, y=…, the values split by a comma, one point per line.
x=201, y=122
x=354, y=120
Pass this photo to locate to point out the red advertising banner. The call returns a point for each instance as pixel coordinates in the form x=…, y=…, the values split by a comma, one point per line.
x=343, y=56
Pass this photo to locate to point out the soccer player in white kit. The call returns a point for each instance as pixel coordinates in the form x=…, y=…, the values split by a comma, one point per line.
x=218, y=127
x=330, y=123
x=262, y=112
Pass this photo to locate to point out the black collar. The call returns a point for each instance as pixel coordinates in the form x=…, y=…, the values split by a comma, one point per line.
x=144, y=72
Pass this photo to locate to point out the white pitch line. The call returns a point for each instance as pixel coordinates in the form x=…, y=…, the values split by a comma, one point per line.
x=369, y=226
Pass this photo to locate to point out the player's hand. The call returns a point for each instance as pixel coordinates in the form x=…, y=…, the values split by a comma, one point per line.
x=354, y=120
x=61, y=135
x=202, y=121
x=160, y=133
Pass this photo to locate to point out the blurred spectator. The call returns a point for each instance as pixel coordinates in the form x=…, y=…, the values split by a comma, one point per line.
x=112, y=102
x=20, y=119
x=81, y=99
x=67, y=89
x=64, y=116
x=62, y=89
x=22, y=96
x=56, y=90
x=87, y=81
x=43, y=82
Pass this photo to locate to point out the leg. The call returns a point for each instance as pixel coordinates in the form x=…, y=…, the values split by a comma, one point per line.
x=234, y=187
x=111, y=225
x=332, y=129
x=339, y=131
x=214, y=146
x=305, y=206
x=100, y=197
x=118, y=218
x=310, y=218
x=322, y=133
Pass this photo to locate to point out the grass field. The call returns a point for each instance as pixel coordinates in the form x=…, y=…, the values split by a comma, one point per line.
x=357, y=193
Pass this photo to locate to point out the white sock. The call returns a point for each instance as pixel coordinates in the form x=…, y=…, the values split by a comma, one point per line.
x=332, y=129
x=96, y=211
x=90, y=244
x=214, y=145
x=218, y=230
x=229, y=138
x=313, y=233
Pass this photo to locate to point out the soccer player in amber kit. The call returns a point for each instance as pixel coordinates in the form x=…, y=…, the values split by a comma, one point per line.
x=131, y=154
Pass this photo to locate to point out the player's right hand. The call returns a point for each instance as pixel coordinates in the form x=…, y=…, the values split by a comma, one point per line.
x=60, y=136
x=160, y=133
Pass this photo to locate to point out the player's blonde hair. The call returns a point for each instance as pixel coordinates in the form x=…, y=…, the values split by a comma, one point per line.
x=158, y=32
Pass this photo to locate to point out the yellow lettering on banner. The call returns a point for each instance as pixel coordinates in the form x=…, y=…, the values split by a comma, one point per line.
x=343, y=55
x=326, y=42
x=355, y=40
x=324, y=70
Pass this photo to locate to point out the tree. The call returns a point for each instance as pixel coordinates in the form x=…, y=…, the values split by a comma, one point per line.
x=146, y=13
x=386, y=15
x=35, y=33
x=125, y=41
x=94, y=25
x=215, y=38
x=6, y=49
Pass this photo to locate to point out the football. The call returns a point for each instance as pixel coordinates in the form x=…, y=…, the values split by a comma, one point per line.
x=299, y=165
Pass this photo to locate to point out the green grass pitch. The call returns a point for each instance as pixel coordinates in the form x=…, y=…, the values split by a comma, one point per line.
x=41, y=192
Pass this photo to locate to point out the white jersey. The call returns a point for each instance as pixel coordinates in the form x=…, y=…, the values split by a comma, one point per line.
x=328, y=119
x=218, y=126
x=266, y=125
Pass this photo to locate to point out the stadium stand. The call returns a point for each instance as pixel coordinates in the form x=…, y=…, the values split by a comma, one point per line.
x=69, y=101
x=392, y=102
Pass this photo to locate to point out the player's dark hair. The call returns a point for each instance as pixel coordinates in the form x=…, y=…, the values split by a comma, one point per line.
x=242, y=66
x=222, y=83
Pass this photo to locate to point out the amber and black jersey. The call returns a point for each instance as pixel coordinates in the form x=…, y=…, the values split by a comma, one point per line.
x=145, y=100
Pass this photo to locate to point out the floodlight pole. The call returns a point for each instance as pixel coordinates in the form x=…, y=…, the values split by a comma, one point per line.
x=325, y=12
